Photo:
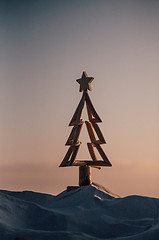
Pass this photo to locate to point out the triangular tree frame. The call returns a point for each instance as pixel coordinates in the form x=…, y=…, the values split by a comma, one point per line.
x=73, y=139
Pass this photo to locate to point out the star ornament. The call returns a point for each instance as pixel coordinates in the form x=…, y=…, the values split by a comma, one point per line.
x=85, y=82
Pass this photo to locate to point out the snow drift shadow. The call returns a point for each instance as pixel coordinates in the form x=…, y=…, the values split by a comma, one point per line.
x=90, y=212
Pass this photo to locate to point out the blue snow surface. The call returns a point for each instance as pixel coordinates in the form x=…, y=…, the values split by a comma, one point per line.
x=90, y=212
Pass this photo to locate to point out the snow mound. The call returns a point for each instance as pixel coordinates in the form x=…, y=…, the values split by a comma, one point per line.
x=90, y=212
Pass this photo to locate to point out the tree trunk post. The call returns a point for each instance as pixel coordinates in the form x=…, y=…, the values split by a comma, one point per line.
x=84, y=176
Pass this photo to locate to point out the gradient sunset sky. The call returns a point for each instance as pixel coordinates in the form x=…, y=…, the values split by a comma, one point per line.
x=44, y=47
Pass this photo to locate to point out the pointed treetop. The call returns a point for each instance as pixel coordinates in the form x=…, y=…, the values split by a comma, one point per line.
x=85, y=82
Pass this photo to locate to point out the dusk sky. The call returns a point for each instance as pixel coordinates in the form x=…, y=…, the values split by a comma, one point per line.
x=44, y=47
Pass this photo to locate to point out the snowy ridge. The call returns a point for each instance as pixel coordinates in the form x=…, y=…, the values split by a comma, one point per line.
x=90, y=212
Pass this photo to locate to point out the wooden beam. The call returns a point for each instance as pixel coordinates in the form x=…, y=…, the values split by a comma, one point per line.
x=67, y=156
x=102, y=153
x=89, y=113
x=77, y=115
x=93, y=139
x=70, y=138
x=91, y=151
x=92, y=109
x=79, y=163
x=92, y=163
x=74, y=154
x=96, y=164
x=98, y=132
x=90, y=131
x=77, y=133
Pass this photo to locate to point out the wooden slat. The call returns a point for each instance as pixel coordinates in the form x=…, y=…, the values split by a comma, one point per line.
x=98, y=142
x=98, y=167
x=74, y=154
x=91, y=151
x=90, y=131
x=90, y=116
x=89, y=113
x=77, y=133
x=91, y=163
x=70, y=138
x=98, y=163
x=92, y=109
x=79, y=163
x=67, y=156
x=79, y=120
x=101, y=152
x=92, y=135
x=77, y=115
x=98, y=132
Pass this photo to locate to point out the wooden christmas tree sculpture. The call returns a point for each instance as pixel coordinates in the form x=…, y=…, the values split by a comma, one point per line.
x=73, y=140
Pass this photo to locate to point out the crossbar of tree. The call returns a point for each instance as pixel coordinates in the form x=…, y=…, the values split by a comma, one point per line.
x=92, y=128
